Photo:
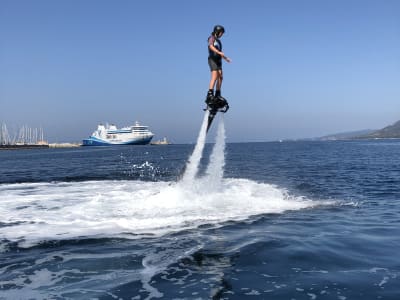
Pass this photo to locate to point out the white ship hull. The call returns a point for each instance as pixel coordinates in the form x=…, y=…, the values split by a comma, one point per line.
x=110, y=135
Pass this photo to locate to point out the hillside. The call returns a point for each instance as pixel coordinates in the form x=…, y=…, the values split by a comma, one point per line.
x=389, y=132
x=345, y=135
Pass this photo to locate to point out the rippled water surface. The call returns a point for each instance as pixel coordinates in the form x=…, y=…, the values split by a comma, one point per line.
x=291, y=220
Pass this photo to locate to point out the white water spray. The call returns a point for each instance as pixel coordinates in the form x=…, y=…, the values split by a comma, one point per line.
x=215, y=169
x=194, y=160
x=212, y=180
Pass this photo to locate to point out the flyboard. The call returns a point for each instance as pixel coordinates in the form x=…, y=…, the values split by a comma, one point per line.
x=214, y=105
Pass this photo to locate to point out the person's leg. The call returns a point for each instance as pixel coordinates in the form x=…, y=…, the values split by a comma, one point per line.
x=214, y=78
x=219, y=83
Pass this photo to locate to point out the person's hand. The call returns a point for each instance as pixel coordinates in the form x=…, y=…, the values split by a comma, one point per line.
x=227, y=59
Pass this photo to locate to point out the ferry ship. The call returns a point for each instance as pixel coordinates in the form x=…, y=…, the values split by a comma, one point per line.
x=109, y=135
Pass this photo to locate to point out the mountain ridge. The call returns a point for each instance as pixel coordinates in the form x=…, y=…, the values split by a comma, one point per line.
x=389, y=132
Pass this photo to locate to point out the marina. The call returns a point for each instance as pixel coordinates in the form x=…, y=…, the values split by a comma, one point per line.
x=24, y=138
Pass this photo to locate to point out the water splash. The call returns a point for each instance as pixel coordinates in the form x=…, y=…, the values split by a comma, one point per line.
x=36, y=212
x=215, y=168
x=194, y=160
x=212, y=181
x=114, y=208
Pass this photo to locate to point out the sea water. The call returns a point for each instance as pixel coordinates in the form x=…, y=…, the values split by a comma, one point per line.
x=291, y=220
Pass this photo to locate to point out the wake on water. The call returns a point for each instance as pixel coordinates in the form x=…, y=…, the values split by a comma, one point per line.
x=67, y=210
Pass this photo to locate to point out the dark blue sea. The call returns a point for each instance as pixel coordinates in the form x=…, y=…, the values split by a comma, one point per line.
x=285, y=220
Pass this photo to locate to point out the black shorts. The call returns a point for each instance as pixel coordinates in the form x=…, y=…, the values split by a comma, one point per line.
x=215, y=65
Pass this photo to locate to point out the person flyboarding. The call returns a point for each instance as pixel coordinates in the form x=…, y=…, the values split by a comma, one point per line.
x=215, y=102
x=215, y=56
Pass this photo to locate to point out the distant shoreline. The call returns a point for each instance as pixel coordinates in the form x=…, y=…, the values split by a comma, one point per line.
x=17, y=147
x=65, y=145
x=77, y=145
x=39, y=146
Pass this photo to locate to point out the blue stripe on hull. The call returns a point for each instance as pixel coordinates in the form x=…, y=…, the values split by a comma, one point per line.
x=97, y=142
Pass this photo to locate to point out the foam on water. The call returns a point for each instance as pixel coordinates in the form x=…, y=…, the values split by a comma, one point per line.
x=34, y=212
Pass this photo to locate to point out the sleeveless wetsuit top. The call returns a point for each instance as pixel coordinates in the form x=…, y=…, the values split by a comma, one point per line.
x=212, y=40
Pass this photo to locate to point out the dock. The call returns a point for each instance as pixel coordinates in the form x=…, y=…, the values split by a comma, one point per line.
x=64, y=145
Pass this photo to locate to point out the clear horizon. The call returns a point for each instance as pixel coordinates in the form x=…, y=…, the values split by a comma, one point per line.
x=300, y=69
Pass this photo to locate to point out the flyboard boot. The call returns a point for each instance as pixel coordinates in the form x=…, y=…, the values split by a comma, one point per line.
x=215, y=104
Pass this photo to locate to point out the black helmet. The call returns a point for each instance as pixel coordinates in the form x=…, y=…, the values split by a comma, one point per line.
x=218, y=29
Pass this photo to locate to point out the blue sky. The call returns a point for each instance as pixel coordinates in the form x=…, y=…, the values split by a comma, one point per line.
x=299, y=68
